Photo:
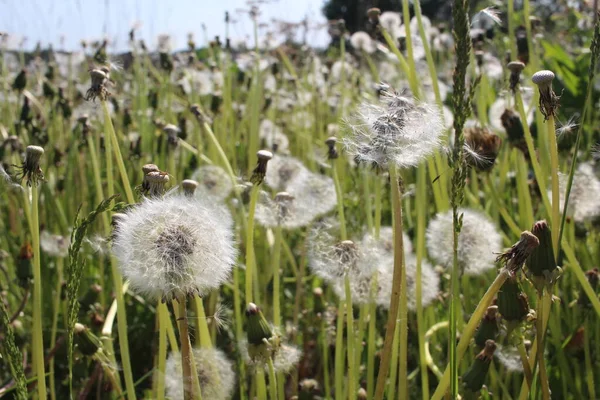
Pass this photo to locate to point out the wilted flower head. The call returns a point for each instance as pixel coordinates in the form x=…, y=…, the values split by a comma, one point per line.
x=175, y=246
x=478, y=241
x=215, y=374
x=585, y=192
x=213, y=182
x=100, y=77
x=398, y=131
x=481, y=148
x=30, y=169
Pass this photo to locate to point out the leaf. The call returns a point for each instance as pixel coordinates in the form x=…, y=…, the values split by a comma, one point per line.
x=11, y=352
x=74, y=272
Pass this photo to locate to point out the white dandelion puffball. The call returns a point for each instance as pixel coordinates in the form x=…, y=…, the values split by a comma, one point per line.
x=479, y=241
x=282, y=169
x=585, y=192
x=215, y=374
x=397, y=131
x=362, y=41
x=213, y=182
x=175, y=246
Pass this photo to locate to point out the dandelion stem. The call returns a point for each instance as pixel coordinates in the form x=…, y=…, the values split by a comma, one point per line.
x=38, y=338
x=250, y=260
x=276, y=278
x=555, y=186
x=371, y=341
x=339, y=354
x=272, y=380
x=350, y=340
x=162, y=349
x=189, y=392
x=384, y=365
x=469, y=330
x=203, y=335
x=525, y=361
x=540, y=329
x=340, y=201
x=589, y=369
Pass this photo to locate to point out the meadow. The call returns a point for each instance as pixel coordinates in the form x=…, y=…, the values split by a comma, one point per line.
x=410, y=213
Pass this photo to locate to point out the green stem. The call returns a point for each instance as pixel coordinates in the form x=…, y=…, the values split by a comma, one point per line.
x=189, y=391
x=340, y=201
x=589, y=369
x=162, y=349
x=339, y=354
x=250, y=258
x=350, y=340
x=38, y=339
x=525, y=362
x=372, y=332
x=539, y=325
x=261, y=386
x=203, y=334
x=276, y=278
x=272, y=380
x=384, y=365
x=555, y=185
x=469, y=330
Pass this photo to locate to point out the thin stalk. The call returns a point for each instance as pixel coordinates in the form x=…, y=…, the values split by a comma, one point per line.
x=325, y=355
x=202, y=332
x=392, y=384
x=239, y=332
x=339, y=353
x=384, y=365
x=540, y=329
x=38, y=338
x=276, y=278
x=163, y=317
x=469, y=330
x=55, y=316
x=261, y=386
x=525, y=362
x=589, y=369
x=421, y=205
x=372, y=332
x=340, y=201
x=250, y=257
x=350, y=340
x=555, y=185
x=189, y=390
x=272, y=380
x=110, y=130
x=511, y=29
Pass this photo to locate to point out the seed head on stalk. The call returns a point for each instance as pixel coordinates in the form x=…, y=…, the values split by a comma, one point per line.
x=549, y=101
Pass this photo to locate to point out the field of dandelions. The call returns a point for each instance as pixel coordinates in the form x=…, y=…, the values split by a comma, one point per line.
x=384, y=218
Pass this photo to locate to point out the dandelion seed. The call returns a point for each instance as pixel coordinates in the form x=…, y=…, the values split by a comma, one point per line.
x=215, y=374
x=175, y=246
x=566, y=129
x=487, y=15
x=397, y=131
x=478, y=241
x=509, y=357
x=481, y=148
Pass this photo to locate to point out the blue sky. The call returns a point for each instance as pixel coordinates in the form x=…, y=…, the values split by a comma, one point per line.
x=49, y=20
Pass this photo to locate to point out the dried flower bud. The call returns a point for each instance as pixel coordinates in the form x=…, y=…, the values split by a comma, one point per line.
x=189, y=187
x=258, y=175
x=541, y=264
x=24, y=270
x=87, y=343
x=488, y=328
x=512, y=302
x=30, y=169
x=515, y=257
x=481, y=148
x=373, y=15
x=98, y=88
x=157, y=181
x=172, y=132
x=474, y=378
x=332, y=152
x=515, y=68
x=20, y=81
x=514, y=130
x=548, y=99
x=146, y=169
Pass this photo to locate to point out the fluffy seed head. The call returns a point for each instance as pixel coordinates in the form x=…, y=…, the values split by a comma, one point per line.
x=363, y=42
x=213, y=182
x=175, y=246
x=396, y=131
x=215, y=374
x=478, y=241
x=585, y=192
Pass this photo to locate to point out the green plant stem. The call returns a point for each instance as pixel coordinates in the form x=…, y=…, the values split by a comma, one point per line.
x=55, y=315
x=339, y=353
x=372, y=332
x=340, y=201
x=250, y=257
x=261, y=386
x=276, y=259
x=421, y=206
x=525, y=362
x=325, y=355
x=190, y=391
x=396, y=285
x=239, y=332
x=511, y=29
x=352, y=378
x=110, y=130
x=202, y=334
x=470, y=328
x=589, y=369
x=540, y=329
x=272, y=380
x=393, y=380
x=38, y=339
x=555, y=186
x=163, y=316
x=580, y=275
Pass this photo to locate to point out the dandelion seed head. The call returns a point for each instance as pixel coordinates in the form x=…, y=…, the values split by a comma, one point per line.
x=363, y=42
x=396, y=131
x=509, y=357
x=54, y=245
x=478, y=242
x=215, y=374
x=283, y=169
x=585, y=192
x=213, y=182
x=391, y=21
x=175, y=246
x=273, y=137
